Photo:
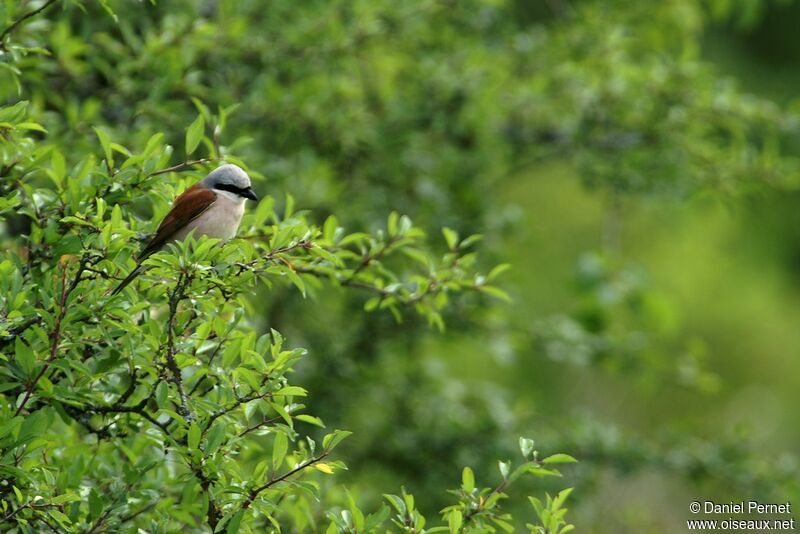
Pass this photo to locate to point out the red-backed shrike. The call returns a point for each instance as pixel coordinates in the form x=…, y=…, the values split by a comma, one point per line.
x=213, y=207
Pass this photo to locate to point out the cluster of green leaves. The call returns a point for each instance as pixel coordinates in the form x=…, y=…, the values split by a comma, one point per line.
x=477, y=509
x=635, y=121
x=727, y=460
x=172, y=375
x=358, y=108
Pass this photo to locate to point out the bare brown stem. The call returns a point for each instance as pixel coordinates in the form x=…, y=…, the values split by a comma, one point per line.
x=55, y=333
x=180, y=167
x=22, y=19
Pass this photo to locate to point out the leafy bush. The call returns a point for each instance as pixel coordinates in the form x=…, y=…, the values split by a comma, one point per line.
x=170, y=407
x=161, y=408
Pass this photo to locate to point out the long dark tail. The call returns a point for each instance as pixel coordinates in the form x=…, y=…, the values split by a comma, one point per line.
x=128, y=279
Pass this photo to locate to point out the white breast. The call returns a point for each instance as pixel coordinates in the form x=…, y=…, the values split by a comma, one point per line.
x=220, y=221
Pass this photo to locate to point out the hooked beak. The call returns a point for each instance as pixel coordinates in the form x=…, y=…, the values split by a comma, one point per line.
x=249, y=193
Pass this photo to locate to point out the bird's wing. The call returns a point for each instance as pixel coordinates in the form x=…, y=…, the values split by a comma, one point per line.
x=187, y=207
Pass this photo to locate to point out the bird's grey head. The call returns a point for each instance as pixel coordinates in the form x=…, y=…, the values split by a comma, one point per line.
x=231, y=181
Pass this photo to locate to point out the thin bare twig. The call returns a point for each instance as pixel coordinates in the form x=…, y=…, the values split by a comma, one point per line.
x=256, y=491
x=22, y=19
x=239, y=401
x=55, y=333
x=180, y=167
x=137, y=513
x=175, y=297
x=262, y=424
x=15, y=331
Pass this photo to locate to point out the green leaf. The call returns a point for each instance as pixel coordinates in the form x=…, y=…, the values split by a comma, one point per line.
x=194, y=134
x=107, y=8
x=235, y=522
x=193, y=437
x=279, y=448
x=13, y=113
x=296, y=391
x=558, y=502
x=10, y=425
x=397, y=502
x=526, y=447
x=105, y=142
x=495, y=292
x=505, y=468
x=497, y=271
x=373, y=521
x=391, y=224
x=33, y=426
x=559, y=459
x=454, y=521
x=95, y=504
x=162, y=394
x=451, y=236
x=65, y=498
x=25, y=356
x=296, y=280
x=507, y=527
x=282, y=412
x=215, y=437
x=31, y=126
x=468, y=480
x=60, y=517
x=331, y=440
x=152, y=144
x=310, y=419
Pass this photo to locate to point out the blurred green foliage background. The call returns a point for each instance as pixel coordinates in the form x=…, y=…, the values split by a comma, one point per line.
x=635, y=163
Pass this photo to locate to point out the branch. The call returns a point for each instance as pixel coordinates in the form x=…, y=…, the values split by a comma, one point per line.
x=255, y=492
x=31, y=505
x=369, y=258
x=431, y=288
x=83, y=419
x=100, y=520
x=134, y=515
x=239, y=401
x=22, y=19
x=274, y=254
x=180, y=167
x=16, y=330
x=130, y=389
x=262, y=424
x=213, y=512
x=175, y=297
x=474, y=512
x=138, y=409
x=55, y=334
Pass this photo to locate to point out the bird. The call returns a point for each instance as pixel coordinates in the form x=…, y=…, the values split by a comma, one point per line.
x=212, y=207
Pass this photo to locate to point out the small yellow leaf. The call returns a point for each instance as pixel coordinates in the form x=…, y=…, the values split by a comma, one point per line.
x=325, y=468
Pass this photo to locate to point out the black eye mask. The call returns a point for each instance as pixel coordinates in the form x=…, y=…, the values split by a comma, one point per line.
x=245, y=192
